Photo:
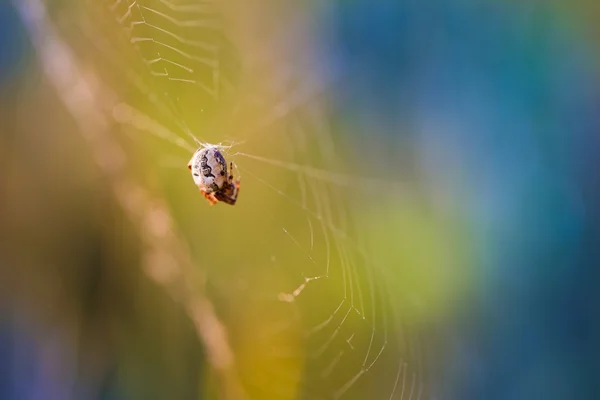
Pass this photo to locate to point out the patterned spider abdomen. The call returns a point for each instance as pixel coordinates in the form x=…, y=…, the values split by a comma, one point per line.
x=209, y=169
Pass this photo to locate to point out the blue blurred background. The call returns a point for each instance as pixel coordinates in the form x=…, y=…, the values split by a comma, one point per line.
x=497, y=106
x=503, y=98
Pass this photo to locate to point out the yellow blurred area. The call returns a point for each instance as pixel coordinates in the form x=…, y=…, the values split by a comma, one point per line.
x=426, y=255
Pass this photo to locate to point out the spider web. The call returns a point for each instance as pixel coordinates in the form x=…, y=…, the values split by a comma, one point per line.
x=304, y=299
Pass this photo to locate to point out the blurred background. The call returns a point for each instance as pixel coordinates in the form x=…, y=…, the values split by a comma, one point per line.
x=418, y=215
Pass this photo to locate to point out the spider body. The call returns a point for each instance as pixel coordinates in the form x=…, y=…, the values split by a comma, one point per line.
x=209, y=171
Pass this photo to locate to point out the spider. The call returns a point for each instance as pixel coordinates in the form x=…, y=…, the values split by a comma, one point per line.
x=209, y=171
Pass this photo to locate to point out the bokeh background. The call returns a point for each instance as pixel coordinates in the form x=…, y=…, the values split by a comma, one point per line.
x=434, y=164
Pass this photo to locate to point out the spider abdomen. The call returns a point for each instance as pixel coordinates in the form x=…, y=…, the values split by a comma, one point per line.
x=209, y=169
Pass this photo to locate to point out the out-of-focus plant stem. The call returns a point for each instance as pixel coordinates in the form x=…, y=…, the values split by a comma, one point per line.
x=167, y=259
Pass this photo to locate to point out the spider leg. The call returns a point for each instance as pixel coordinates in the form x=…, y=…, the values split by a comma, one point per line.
x=236, y=183
x=236, y=188
x=209, y=196
x=226, y=198
x=230, y=194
